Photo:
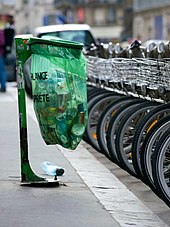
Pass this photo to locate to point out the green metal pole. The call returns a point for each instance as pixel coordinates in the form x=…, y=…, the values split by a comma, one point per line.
x=22, y=54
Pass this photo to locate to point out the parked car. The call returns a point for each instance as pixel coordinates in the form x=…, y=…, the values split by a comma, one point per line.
x=72, y=32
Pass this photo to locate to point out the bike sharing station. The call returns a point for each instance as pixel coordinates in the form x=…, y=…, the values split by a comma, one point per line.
x=58, y=72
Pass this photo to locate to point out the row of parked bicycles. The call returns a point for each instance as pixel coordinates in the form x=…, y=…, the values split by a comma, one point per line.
x=129, y=117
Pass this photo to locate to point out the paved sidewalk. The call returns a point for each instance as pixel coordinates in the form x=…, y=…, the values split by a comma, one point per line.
x=71, y=204
x=89, y=195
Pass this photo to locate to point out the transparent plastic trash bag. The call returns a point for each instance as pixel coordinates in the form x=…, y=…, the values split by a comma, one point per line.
x=58, y=72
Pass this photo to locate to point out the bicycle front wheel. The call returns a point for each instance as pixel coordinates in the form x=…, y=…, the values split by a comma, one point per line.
x=161, y=167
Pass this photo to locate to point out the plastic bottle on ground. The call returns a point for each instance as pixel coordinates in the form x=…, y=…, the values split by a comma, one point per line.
x=51, y=169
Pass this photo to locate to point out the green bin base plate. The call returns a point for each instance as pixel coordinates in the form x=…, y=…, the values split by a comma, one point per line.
x=45, y=183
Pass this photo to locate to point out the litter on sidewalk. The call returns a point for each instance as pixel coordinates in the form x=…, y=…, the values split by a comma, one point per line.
x=51, y=169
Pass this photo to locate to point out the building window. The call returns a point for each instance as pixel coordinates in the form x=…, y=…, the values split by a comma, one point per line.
x=80, y=15
x=111, y=16
x=158, y=22
x=8, y=2
x=99, y=16
x=25, y=1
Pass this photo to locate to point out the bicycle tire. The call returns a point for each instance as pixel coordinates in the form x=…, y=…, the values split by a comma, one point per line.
x=141, y=130
x=161, y=151
x=125, y=134
x=94, y=113
x=148, y=145
x=94, y=92
x=92, y=99
x=112, y=127
x=104, y=122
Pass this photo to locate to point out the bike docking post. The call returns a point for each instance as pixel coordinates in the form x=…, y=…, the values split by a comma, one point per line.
x=28, y=177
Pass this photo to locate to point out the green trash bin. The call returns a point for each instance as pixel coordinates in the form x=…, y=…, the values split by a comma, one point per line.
x=58, y=73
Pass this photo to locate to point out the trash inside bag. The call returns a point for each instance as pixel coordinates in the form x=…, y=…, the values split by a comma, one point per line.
x=58, y=72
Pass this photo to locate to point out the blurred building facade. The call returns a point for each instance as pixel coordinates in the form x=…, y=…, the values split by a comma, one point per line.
x=151, y=19
x=109, y=19
x=27, y=14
